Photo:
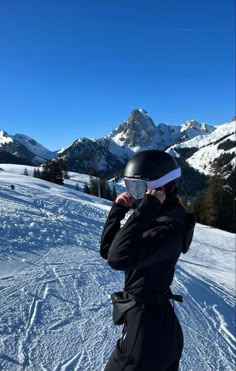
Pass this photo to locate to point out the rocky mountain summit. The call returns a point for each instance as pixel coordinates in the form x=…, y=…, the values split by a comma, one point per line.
x=139, y=132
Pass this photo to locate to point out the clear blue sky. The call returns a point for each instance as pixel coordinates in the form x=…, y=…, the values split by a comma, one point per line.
x=76, y=68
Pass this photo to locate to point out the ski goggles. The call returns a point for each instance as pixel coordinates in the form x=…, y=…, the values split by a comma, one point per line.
x=138, y=187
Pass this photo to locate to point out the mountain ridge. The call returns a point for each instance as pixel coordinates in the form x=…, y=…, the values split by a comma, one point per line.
x=110, y=153
x=25, y=149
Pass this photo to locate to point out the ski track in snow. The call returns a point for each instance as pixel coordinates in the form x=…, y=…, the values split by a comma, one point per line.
x=55, y=308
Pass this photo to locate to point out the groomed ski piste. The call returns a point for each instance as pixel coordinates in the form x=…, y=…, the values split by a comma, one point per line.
x=55, y=307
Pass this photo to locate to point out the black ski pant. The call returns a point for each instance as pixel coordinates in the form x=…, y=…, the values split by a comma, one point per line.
x=152, y=340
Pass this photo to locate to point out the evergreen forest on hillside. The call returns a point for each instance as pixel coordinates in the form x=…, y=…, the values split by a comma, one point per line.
x=216, y=206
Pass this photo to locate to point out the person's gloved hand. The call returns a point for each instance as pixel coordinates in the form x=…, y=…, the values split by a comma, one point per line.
x=125, y=199
x=160, y=195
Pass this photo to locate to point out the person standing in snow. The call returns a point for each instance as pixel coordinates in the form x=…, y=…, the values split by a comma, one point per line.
x=147, y=248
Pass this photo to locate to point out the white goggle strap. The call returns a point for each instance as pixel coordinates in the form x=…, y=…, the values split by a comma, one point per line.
x=172, y=175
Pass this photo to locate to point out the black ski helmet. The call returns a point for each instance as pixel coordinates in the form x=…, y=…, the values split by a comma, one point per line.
x=153, y=165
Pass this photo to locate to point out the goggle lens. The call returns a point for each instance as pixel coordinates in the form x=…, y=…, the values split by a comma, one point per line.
x=136, y=187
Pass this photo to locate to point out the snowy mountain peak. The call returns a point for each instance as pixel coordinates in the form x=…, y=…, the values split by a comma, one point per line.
x=191, y=123
x=139, y=132
x=136, y=133
x=3, y=133
x=140, y=119
x=142, y=110
x=203, y=150
x=4, y=138
x=195, y=125
x=20, y=148
x=34, y=147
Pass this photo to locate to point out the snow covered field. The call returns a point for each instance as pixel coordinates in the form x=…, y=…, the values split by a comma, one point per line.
x=55, y=308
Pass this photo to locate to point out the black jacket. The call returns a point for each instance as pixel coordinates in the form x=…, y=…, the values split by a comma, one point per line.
x=148, y=245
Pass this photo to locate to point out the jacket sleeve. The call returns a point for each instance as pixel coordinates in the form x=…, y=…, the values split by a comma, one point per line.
x=124, y=251
x=112, y=226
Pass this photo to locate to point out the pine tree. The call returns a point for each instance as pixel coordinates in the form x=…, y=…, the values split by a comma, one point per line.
x=199, y=208
x=100, y=187
x=105, y=189
x=213, y=201
x=26, y=172
x=53, y=171
x=229, y=219
x=216, y=207
x=86, y=189
x=93, y=186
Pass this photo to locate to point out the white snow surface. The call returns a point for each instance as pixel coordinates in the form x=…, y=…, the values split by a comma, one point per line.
x=193, y=125
x=4, y=138
x=204, y=140
x=55, y=307
x=34, y=147
x=207, y=146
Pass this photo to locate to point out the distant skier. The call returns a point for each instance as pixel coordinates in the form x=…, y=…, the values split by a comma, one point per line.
x=12, y=187
x=147, y=248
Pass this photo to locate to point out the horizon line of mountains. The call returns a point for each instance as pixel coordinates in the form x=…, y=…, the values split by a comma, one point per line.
x=196, y=143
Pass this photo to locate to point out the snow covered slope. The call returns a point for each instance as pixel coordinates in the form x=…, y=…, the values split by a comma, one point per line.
x=34, y=147
x=55, y=308
x=204, y=149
